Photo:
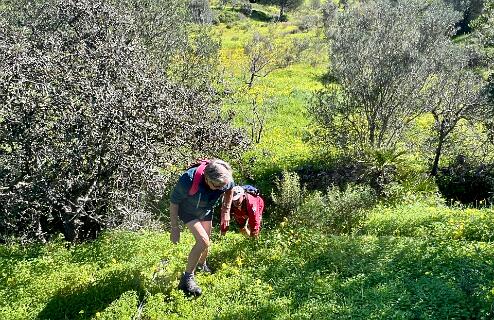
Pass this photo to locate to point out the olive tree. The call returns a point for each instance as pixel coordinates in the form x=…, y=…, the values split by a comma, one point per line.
x=200, y=11
x=483, y=37
x=469, y=9
x=263, y=57
x=484, y=25
x=91, y=109
x=381, y=59
x=456, y=93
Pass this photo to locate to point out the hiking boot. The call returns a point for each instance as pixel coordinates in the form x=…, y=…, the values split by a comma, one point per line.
x=189, y=286
x=204, y=268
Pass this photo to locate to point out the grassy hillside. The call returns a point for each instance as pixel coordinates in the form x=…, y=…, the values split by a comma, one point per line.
x=281, y=96
x=387, y=272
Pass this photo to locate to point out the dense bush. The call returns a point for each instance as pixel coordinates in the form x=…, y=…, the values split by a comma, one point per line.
x=467, y=182
x=92, y=106
x=246, y=9
x=284, y=5
x=309, y=21
x=200, y=12
x=288, y=196
x=336, y=211
x=227, y=16
x=470, y=10
x=377, y=170
x=338, y=173
x=483, y=25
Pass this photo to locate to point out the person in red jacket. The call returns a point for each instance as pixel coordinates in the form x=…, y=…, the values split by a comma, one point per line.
x=247, y=210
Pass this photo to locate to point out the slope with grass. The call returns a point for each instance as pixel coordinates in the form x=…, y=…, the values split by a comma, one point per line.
x=281, y=96
x=290, y=273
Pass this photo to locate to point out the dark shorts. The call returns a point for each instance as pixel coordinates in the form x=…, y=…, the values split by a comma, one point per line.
x=187, y=217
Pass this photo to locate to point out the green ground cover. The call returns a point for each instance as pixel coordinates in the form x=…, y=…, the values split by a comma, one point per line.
x=420, y=220
x=288, y=273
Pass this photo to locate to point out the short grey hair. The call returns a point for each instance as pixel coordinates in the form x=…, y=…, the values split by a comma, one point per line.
x=219, y=172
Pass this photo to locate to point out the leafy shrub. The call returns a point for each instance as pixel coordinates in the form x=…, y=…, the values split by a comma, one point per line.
x=338, y=172
x=312, y=213
x=466, y=181
x=246, y=9
x=227, y=16
x=348, y=208
x=289, y=194
x=309, y=22
x=88, y=120
x=200, y=12
x=470, y=9
x=315, y=4
x=336, y=211
x=378, y=170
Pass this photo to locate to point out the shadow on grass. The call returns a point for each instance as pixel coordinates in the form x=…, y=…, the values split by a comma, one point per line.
x=260, y=16
x=68, y=303
x=389, y=279
x=261, y=313
x=98, y=251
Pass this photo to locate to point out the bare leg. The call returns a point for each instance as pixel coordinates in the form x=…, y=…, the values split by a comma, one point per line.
x=201, y=245
x=207, y=225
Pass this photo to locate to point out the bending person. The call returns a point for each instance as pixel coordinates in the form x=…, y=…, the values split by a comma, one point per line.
x=247, y=210
x=192, y=201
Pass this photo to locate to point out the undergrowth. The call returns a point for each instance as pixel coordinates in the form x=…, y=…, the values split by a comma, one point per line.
x=291, y=272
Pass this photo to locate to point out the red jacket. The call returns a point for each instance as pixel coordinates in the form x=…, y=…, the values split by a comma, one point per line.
x=251, y=209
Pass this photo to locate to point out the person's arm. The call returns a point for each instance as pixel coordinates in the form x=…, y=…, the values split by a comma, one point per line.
x=178, y=194
x=174, y=228
x=225, y=211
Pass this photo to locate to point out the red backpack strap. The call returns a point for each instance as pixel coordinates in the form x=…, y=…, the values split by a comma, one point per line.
x=197, y=177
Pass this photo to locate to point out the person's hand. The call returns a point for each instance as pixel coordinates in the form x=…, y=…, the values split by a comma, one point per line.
x=225, y=220
x=175, y=235
x=224, y=226
x=245, y=231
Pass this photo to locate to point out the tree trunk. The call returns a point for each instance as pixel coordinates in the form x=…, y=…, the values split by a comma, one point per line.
x=282, y=11
x=372, y=134
x=251, y=81
x=439, y=148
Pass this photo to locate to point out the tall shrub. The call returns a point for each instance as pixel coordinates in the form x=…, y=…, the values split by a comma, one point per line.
x=289, y=194
x=90, y=111
x=337, y=211
x=200, y=11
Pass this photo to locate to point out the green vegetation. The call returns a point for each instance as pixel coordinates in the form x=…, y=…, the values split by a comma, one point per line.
x=344, y=236
x=420, y=220
x=93, y=109
x=403, y=266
